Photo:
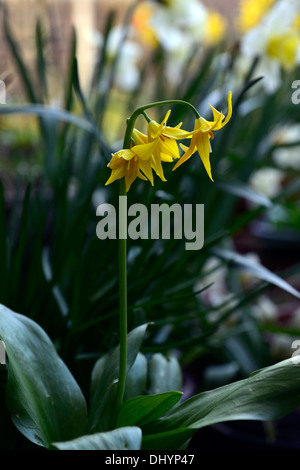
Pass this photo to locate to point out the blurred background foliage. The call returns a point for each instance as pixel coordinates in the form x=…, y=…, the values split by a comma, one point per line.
x=223, y=311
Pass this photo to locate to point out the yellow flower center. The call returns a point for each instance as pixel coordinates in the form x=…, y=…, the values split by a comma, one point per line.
x=215, y=28
x=283, y=47
x=251, y=12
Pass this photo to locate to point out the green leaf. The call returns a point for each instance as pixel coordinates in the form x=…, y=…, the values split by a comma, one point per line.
x=244, y=192
x=170, y=440
x=164, y=374
x=3, y=248
x=127, y=438
x=144, y=409
x=136, y=380
x=105, y=375
x=257, y=269
x=267, y=394
x=45, y=400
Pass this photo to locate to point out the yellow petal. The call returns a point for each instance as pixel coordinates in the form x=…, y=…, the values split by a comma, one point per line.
x=144, y=151
x=169, y=147
x=145, y=167
x=131, y=175
x=203, y=148
x=126, y=154
x=154, y=129
x=157, y=166
x=166, y=158
x=218, y=124
x=188, y=153
x=139, y=137
x=116, y=175
x=176, y=133
x=142, y=177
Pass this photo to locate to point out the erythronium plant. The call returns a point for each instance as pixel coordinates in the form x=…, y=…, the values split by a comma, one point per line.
x=125, y=411
x=141, y=154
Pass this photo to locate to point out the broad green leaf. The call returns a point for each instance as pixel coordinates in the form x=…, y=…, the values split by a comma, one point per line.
x=45, y=400
x=164, y=374
x=105, y=374
x=127, y=438
x=257, y=270
x=136, y=380
x=144, y=409
x=170, y=440
x=267, y=394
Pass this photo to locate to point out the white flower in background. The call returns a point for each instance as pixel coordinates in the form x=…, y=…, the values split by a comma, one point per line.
x=128, y=53
x=265, y=310
x=246, y=276
x=216, y=293
x=178, y=25
x=275, y=41
x=179, y=20
x=287, y=157
x=179, y=28
x=267, y=181
x=250, y=13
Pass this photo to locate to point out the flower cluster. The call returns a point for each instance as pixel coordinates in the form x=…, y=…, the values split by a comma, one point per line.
x=160, y=144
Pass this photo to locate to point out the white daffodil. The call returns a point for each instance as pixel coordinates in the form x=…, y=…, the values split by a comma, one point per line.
x=275, y=41
x=178, y=20
x=267, y=181
x=126, y=51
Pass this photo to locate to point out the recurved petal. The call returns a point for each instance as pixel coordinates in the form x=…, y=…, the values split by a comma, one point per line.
x=218, y=117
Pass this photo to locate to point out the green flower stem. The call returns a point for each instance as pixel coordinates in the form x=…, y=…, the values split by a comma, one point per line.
x=122, y=309
x=137, y=112
x=123, y=255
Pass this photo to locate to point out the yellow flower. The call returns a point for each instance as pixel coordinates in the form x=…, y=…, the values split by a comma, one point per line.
x=201, y=135
x=141, y=21
x=167, y=137
x=147, y=154
x=283, y=47
x=251, y=12
x=132, y=163
x=215, y=27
